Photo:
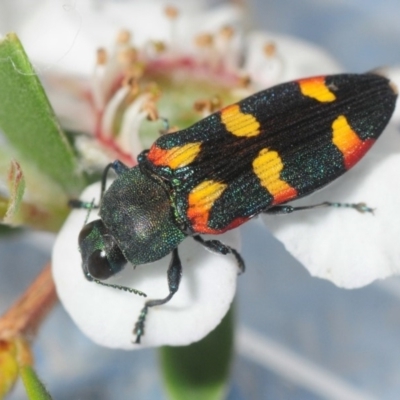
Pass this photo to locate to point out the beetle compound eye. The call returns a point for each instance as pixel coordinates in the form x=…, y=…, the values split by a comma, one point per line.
x=106, y=262
x=98, y=265
x=101, y=255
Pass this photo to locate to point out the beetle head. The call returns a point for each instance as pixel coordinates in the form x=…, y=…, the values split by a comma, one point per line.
x=101, y=256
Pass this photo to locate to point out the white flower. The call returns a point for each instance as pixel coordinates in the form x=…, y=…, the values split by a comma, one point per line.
x=203, y=45
x=393, y=73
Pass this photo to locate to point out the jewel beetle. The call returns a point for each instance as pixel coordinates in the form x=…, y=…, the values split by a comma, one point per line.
x=251, y=157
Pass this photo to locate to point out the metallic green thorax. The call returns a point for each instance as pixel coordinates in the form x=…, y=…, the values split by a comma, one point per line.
x=137, y=211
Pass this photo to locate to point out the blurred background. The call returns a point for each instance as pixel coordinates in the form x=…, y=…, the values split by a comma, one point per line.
x=362, y=35
x=298, y=337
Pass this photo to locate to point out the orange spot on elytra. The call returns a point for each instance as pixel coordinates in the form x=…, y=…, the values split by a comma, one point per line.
x=348, y=142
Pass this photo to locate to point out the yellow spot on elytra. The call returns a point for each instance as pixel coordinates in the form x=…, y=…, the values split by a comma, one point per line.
x=201, y=200
x=268, y=166
x=346, y=140
x=316, y=89
x=184, y=155
x=238, y=123
x=176, y=157
x=203, y=196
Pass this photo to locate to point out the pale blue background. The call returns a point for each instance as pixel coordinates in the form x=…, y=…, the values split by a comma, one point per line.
x=314, y=336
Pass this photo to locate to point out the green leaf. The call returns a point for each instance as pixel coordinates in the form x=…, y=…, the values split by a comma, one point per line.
x=28, y=121
x=35, y=389
x=200, y=371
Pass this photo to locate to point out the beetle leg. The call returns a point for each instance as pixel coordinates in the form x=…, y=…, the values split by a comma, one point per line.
x=174, y=277
x=118, y=167
x=80, y=204
x=219, y=247
x=285, y=209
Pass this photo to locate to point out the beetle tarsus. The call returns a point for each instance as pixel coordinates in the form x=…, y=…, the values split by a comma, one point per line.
x=360, y=207
x=119, y=287
x=139, y=326
x=286, y=209
x=174, y=277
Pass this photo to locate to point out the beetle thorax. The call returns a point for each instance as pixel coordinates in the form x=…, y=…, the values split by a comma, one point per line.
x=137, y=211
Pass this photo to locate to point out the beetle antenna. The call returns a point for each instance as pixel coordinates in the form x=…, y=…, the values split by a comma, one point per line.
x=104, y=177
x=124, y=288
x=79, y=204
x=166, y=126
x=89, y=207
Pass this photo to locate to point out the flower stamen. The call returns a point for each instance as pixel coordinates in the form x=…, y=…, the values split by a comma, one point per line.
x=208, y=106
x=172, y=14
x=124, y=37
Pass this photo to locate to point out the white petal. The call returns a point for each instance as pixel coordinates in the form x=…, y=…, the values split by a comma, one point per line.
x=294, y=59
x=393, y=73
x=128, y=137
x=108, y=315
x=93, y=156
x=111, y=110
x=342, y=245
x=210, y=21
x=78, y=28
